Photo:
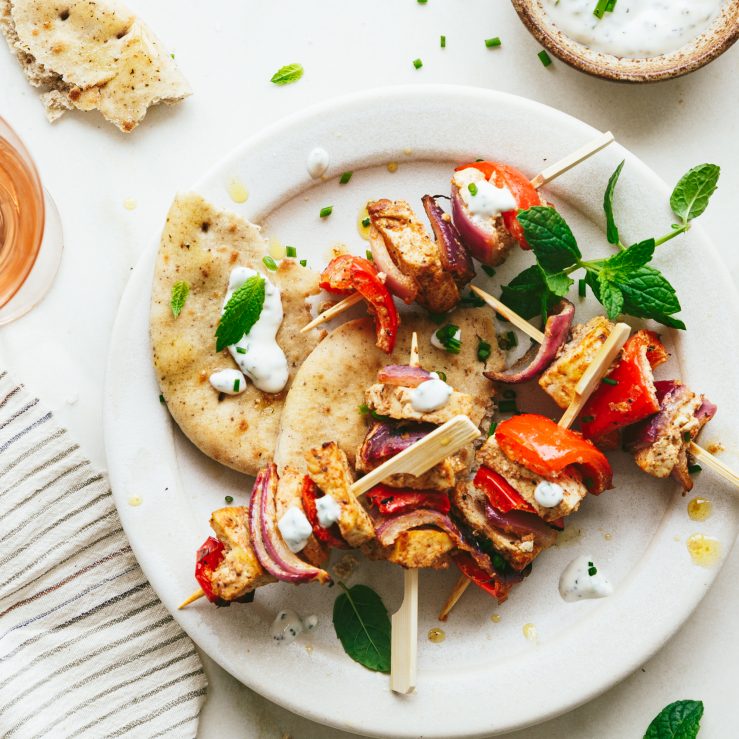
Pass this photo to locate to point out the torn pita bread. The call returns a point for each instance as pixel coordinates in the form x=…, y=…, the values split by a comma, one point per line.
x=201, y=245
x=91, y=54
x=328, y=389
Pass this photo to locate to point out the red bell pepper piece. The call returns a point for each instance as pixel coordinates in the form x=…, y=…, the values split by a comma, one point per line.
x=500, y=494
x=391, y=501
x=523, y=192
x=541, y=446
x=475, y=573
x=330, y=536
x=629, y=395
x=209, y=556
x=347, y=273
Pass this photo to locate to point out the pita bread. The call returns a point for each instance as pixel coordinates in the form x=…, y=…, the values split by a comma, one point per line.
x=323, y=402
x=201, y=245
x=91, y=54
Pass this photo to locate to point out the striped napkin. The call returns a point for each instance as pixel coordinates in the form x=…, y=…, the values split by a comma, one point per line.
x=86, y=648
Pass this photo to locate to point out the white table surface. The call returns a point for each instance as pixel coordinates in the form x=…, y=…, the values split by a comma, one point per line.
x=229, y=50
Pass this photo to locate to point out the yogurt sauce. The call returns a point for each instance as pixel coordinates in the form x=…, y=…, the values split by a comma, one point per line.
x=288, y=625
x=317, y=162
x=635, y=28
x=548, y=494
x=430, y=395
x=228, y=381
x=328, y=511
x=488, y=201
x=295, y=529
x=582, y=579
x=257, y=353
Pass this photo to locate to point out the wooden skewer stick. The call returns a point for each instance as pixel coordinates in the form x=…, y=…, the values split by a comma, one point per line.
x=191, y=599
x=457, y=592
x=404, y=622
x=547, y=175
x=714, y=463
x=509, y=315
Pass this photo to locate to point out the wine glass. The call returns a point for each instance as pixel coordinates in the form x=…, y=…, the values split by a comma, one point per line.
x=30, y=230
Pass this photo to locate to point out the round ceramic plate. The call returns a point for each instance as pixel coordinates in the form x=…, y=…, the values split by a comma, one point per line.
x=486, y=677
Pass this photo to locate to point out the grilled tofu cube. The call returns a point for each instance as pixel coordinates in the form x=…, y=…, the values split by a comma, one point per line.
x=395, y=401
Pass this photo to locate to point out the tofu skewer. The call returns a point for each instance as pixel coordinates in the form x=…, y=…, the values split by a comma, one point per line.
x=550, y=173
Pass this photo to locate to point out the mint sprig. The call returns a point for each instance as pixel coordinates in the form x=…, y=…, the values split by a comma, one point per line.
x=180, y=291
x=678, y=720
x=623, y=283
x=287, y=74
x=241, y=312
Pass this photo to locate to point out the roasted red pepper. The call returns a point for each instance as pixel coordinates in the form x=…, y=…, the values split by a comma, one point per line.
x=524, y=193
x=209, y=556
x=330, y=536
x=547, y=449
x=500, y=494
x=489, y=583
x=347, y=273
x=627, y=394
x=391, y=501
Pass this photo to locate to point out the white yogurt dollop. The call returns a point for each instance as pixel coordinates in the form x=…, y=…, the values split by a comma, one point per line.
x=328, y=511
x=485, y=200
x=295, y=529
x=257, y=353
x=430, y=395
x=582, y=579
x=635, y=28
x=317, y=162
x=228, y=381
x=288, y=625
x=548, y=494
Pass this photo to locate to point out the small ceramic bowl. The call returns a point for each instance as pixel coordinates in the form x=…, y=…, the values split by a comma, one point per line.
x=704, y=48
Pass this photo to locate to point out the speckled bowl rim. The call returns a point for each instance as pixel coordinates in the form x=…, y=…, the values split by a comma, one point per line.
x=703, y=49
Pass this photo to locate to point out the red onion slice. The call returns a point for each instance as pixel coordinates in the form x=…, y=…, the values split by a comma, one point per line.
x=671, y=395
x=555, y=335
x=384, y=440
x=403, y=375
x=270, y=548
x=484, y=245
x=455, y=258
x=390, y=528
x=405, y=287
x=521, y=522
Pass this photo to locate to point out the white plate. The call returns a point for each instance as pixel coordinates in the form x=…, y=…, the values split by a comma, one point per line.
x=485, y=677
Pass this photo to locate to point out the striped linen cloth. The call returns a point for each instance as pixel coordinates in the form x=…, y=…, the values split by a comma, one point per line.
x=86, y=648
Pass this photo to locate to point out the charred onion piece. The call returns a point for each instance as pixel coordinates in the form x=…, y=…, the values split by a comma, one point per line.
x=555, y=335
x=389, y=529
x=405, y=287
x=385, y=440
x=270, y=548
x=454, y=255
x=522, y=523
x=403, y=375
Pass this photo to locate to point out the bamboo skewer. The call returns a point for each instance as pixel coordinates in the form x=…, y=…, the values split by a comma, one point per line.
x=191, y=599
x=550, y=173
x=404, y=622
x=714, y=463
x=509, y=315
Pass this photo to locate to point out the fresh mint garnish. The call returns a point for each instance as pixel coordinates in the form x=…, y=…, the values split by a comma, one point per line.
x=679, y=720
x=611, y=229
x=180, y=291
x=287, y=74
x=241, y=312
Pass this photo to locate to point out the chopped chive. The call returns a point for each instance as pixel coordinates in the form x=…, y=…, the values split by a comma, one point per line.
x=512, y=339
x=491, y=42
x=590, y=564
x=161, y=398
x=604, y=6
x=365, y=222
x=693, y=468
x=422, y=2
x=592, y=570
x=345, y=178
x=686, y=436
x=609, y=381
x=326, y=211
x=364, y=409
x=588, y=419
x=489, y=271
x=471, y=300
x=437, y=318
x=442, y=41
x=472, y=187
x=581, y=288
x=237, y=384
x=483, y=350
x=545, y=59
x=447, y=338
x=291, y=251
x=492, y=428
x=507, y=406
x=479, y=160
x=269, y=263
x=417, y=63
x=229, y=499
x=509, y=393
x=442, y=375
x=369, y=255
x=240, y=350
x=303, y=262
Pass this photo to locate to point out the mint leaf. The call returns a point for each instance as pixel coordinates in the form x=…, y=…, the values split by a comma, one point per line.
x=549, y=237
x=611, y=228
x=180, y=291
x=691, y=194
x=241, y=312
x=558, y=283
x=648, y=292
x=363, y=627
x=679, y=720
x=610, y=296
x=525, y=292
x=637, y=255
x=287, y=74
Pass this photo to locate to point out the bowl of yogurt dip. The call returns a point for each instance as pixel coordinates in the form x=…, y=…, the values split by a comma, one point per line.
x=633, y=40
